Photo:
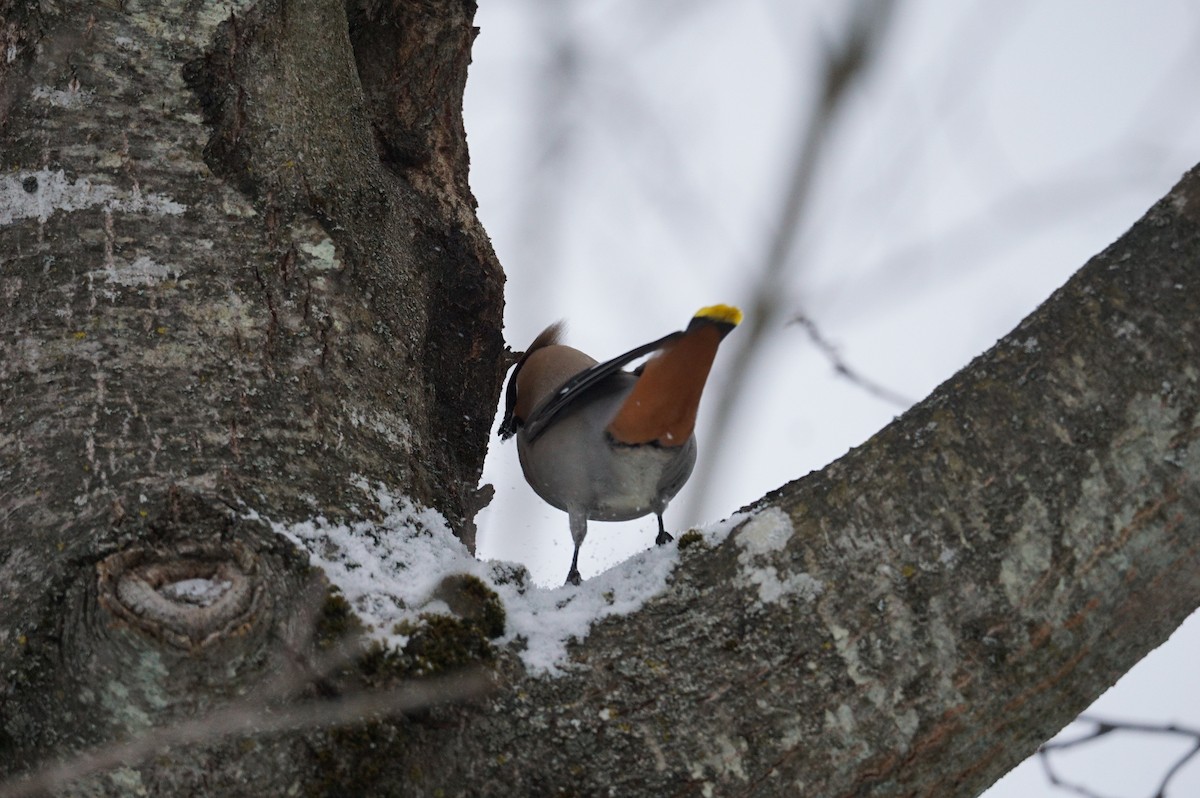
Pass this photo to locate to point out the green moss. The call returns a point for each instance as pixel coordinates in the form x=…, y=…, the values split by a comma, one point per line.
x=336, y=621
x=444, y=643
x=437, y=644
x=372, y=757
x=473, y=601
x=509, y=573
x=357, y=760
x=382, y=664
x=690, y=538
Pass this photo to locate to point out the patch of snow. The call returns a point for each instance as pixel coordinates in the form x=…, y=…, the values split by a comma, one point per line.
x=388, y=571
x=548, y=618
x=200, y=592
x=714, y=534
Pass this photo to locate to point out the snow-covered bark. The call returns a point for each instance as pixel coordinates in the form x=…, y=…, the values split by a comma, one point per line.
x=245, y=304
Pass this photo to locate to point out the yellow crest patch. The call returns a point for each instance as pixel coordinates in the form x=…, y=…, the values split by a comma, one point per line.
x=726, y=314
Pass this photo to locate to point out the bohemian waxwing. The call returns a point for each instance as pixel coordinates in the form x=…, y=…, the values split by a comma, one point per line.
x=606, y=444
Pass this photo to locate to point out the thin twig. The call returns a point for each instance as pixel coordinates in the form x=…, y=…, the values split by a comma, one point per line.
x=843, y=368
x=271, y=707
x=1102, y=729
x=845, y=63
x=245, y=718
x=1171, y=771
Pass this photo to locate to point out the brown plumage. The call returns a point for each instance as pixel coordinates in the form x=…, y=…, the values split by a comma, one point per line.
x=664, y=401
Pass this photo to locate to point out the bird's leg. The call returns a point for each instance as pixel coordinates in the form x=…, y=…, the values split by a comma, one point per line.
x=573, y=577
x=578, y=533
x=664, y=537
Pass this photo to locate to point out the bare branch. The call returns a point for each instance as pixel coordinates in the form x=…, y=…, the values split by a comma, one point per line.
x=843, y=369
x=251, y=717
x=845, y=63
x=1103, y=728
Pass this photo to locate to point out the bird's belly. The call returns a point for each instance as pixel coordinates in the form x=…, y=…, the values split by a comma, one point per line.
x=634, y=478
x=607, y=481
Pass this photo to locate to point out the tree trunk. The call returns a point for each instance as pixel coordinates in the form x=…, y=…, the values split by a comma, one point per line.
x=241, y=269
x=243, y=279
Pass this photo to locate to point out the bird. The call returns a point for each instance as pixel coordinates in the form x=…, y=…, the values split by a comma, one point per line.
x=605, y=444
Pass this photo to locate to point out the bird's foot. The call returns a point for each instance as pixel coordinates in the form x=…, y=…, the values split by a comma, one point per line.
x=664, y=537
x=573, y=578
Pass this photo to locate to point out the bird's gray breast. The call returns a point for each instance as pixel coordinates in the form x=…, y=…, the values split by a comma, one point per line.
x=575, y=465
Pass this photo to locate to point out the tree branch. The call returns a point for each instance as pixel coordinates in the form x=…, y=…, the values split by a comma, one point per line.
x=919, y=616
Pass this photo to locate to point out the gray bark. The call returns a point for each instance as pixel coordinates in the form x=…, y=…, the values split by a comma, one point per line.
x=241, y=270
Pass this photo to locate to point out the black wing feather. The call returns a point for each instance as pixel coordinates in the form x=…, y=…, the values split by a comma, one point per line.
x=579, y=385
x=549, y=336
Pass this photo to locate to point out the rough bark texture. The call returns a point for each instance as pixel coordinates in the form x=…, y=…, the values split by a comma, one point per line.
x=239, y=268
x=249, y=277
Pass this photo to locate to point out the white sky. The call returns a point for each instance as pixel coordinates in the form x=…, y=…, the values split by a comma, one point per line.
x=629, y=157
